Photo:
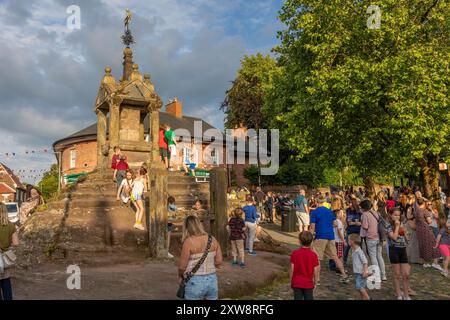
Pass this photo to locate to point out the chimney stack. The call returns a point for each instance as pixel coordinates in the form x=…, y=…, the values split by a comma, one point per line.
x=175, y=108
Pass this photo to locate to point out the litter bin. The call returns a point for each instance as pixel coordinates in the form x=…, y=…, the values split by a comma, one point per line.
x=288, y=219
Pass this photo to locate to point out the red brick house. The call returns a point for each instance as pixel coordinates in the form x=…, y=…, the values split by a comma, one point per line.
x=11, y=189
x=79, y=150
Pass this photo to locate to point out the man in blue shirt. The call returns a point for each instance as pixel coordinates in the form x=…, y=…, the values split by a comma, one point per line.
x=251, y=216
x=323, y=221
x=302, y=210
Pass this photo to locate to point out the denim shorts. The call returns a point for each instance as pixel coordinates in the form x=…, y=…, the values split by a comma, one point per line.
x=136, y=197
x=202, y=287
x=360, y=282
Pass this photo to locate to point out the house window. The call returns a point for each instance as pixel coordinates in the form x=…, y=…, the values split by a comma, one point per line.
x=214, y=157
x=186, y=154
x=73, y=158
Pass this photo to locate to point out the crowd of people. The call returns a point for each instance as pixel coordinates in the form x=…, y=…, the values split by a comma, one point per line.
x=332, y=225
x=405, y=225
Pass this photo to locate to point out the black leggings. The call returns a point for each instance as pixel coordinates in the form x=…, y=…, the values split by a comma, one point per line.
x=5, y=289
x=303, y=294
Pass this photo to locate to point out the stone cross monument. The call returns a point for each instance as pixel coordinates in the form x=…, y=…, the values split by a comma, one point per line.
x=128, y=103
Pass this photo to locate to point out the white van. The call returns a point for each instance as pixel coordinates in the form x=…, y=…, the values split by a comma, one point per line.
x=13, y=212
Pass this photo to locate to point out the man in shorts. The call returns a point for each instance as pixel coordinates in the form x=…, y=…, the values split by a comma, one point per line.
x=302, y=211
x=323, y=222
x=172, y=146
x=163, y=152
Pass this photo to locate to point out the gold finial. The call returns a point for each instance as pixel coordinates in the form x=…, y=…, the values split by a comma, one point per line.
x=108, y=78
x=148, y=82
x=127, y=19
x=135, y=75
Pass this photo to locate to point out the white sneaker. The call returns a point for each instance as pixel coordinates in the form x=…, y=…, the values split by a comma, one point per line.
x=437, y=267
x=445, y=274
x=256, y=240
x=427, y=265
x=170, y=256
x=139, y=226
x=399, y=298
x=407, y=298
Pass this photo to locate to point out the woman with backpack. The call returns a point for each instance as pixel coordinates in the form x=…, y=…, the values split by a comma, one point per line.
x=8, y=238
x=372, y=232
x=200, y=256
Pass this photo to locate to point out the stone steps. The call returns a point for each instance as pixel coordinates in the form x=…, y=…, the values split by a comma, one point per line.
x=77, y=202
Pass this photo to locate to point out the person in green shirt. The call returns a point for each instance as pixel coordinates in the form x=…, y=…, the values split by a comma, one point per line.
x=172, y=144
x=8, y=238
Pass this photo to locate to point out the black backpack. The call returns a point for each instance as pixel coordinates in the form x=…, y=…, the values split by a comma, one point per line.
x=381, y=226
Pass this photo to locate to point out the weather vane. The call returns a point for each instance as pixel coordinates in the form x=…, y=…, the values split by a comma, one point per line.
x=127, y=37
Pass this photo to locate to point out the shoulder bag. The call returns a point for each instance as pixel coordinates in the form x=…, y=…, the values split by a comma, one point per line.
x=182, y=288
x=7, y=260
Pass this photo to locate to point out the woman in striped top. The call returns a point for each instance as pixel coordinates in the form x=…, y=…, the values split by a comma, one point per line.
x=203, y=284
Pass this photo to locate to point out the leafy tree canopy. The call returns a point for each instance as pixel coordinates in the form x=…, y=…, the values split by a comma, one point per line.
x=374, y=99
x=245, y=98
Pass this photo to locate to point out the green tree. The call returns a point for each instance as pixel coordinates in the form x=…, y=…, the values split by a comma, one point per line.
x=49, y=183
x=374, y=99
x=244, y=100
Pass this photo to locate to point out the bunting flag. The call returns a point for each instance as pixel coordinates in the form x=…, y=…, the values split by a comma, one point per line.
x=27, y=152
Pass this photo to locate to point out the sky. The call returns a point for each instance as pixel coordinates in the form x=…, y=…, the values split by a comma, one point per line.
x=51, y=74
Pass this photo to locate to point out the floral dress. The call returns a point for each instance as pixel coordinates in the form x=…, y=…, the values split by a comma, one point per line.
x=425, y=236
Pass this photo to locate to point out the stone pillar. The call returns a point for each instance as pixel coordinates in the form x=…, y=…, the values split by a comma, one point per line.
x=114, y=126
x=101, y=138
x=127, y=63
x=154, y=136
x=142, y=128
x=158, y=180
x=158, y=211
x=218, y=206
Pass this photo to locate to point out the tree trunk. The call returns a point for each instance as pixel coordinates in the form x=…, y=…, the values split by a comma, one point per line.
x=430, y=180
x=369, y=186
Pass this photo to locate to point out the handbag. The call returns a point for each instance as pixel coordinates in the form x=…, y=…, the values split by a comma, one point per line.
x=185, y=280
x=7, y=260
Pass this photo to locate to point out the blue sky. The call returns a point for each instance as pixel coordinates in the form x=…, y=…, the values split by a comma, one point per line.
x=50, y=74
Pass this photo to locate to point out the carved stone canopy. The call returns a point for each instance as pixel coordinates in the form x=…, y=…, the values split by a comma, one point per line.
x=136, y=90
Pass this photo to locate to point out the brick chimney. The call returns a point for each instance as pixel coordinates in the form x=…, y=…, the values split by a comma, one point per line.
x=240, y=132
x=175, y=107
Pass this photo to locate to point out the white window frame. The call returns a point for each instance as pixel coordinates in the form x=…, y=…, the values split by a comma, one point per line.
x=215, y=157
x=186, y=154
x=73, y=159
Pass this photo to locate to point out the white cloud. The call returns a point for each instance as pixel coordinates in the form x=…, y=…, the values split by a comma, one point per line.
x=51, y=75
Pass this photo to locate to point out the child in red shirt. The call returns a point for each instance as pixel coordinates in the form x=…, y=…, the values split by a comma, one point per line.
x=305, y=268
